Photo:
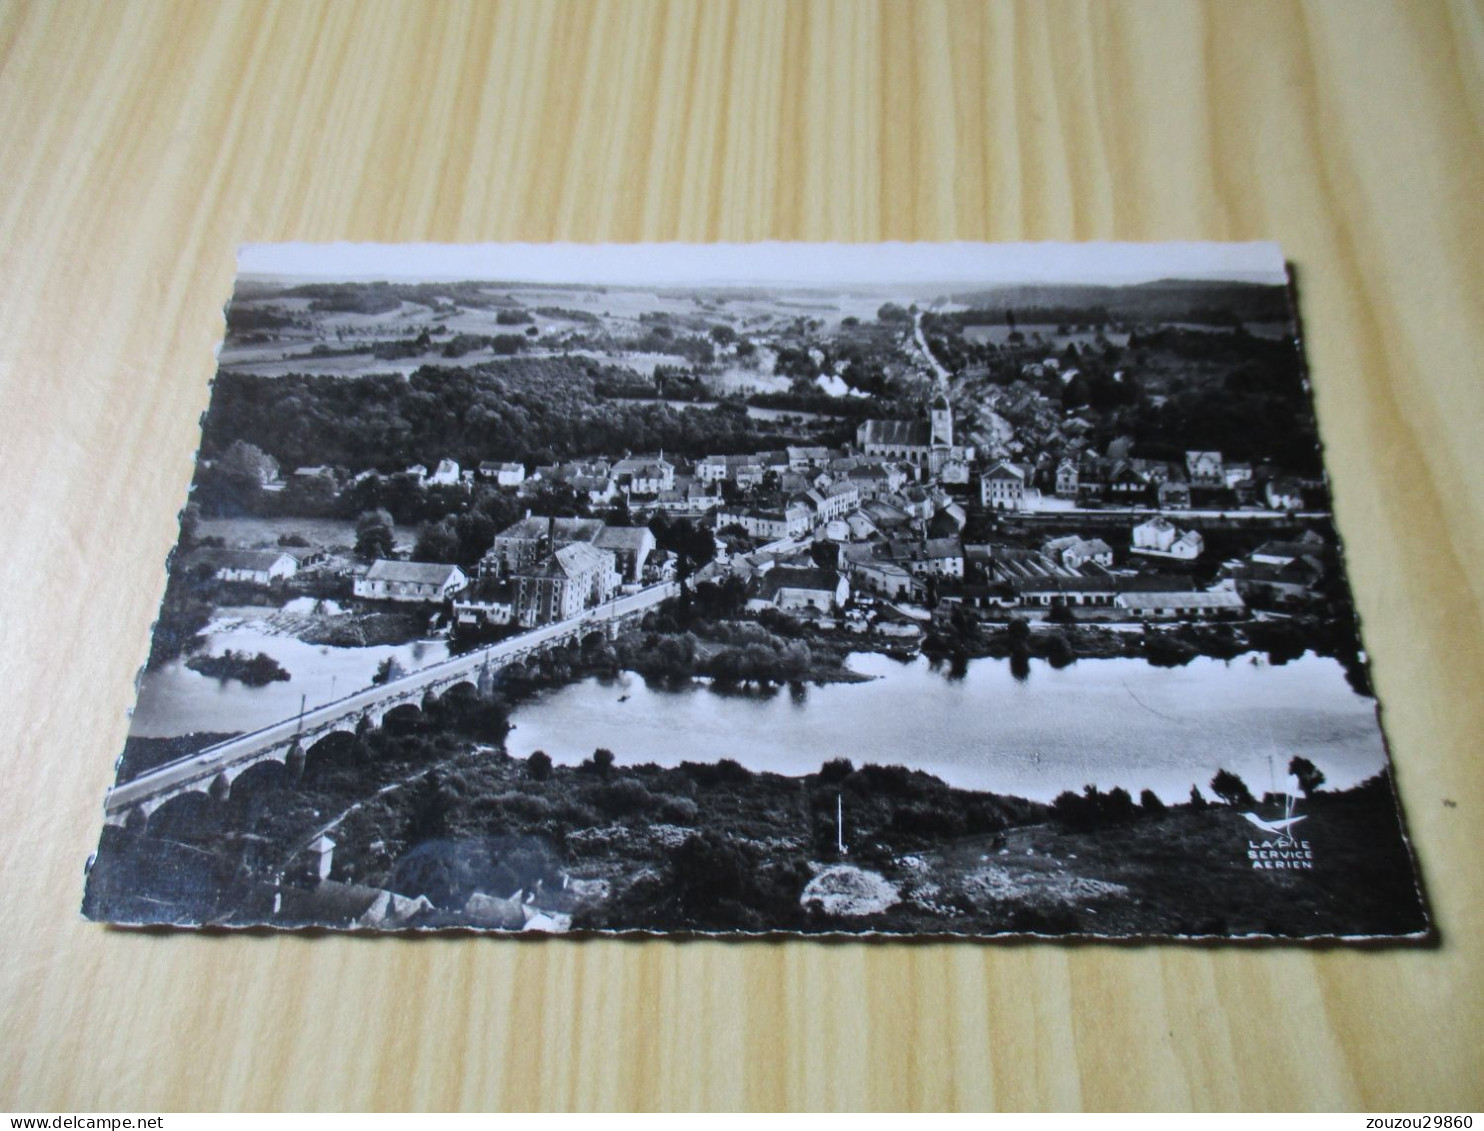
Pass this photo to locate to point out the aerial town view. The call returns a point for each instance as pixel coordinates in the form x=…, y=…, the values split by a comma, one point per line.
x=927, y=608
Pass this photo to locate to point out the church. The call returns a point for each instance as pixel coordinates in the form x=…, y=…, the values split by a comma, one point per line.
x=923, y=444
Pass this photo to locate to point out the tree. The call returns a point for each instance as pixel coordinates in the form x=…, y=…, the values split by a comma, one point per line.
x=437, y=542
x=538, y=765
x=431, y=805
x=388, y=670
x=374, y=534
x=1310, y=777
x=234, y=484
x=1232, y=789
x=603, y=761
x=190, y=526
x=247, y=464
x=1196, y=800
x=1149, y=802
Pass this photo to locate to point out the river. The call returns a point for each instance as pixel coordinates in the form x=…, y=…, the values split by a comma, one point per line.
x=175, y=700
x=1108, y=722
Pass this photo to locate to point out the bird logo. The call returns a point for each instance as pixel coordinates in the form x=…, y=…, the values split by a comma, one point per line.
x=1280, y=828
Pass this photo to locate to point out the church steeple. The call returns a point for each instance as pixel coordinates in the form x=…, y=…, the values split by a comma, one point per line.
x=942, y=421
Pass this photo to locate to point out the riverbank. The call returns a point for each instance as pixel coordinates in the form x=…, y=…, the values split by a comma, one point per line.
x=712, y=846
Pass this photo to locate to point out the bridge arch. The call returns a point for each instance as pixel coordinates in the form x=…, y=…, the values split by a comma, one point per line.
x=184, y=816
x=266, y=776
x=334, y=749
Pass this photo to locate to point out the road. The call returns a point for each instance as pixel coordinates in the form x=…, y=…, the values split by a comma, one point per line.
x=207, y=763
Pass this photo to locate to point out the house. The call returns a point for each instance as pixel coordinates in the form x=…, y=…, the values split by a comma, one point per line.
x=1236, y=473
x=1125, y=485
x=933, y=557
x=1002, y=487
x=1209, y=605
x=743, y=470
x=771, y=523
x=687, y=497
x=1157, y=534
x=1093, y=476
x=840, y=499
x=1067, y=475
x=1074, y=551
x=445, y=475
x=630, y=547
x=314, y=483
x=504, y=474
x=871, y=481
x=492, y=604
x=598, y=490
x=1295, y=582
x=1160, y=536
x=1282, y=494
x=575, y=577
x=794, y=590
x=1281, y=553
x=948, y=507
x=1204, y=469
x=1174, y=495
x=1154, y=471
x=409, y=581
x=956, y=472
x=806, y=457
x=254, y=567
x=915, y=501
x=861, y=526
x=878, y=575
x=645, y=475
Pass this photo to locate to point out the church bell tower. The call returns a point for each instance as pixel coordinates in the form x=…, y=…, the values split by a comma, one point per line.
x=942, y=422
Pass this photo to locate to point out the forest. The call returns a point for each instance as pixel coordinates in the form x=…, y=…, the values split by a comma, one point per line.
x=536, y=410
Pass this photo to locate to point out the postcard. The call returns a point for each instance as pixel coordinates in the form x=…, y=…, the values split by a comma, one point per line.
x=892, y=590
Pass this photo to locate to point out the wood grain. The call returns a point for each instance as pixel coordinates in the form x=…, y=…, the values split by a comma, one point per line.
x=140, y=143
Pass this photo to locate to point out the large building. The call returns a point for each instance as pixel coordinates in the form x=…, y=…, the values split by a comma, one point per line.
x=574, y=578
x=256, y=567
x=927, y=445
x=523, y=544
x=410, y=581
x=630, y=547
x=1003, y=488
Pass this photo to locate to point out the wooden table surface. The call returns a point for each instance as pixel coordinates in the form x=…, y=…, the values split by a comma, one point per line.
x=140, y=143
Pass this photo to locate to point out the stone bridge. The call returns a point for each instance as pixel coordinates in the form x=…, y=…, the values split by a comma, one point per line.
x=212, y=770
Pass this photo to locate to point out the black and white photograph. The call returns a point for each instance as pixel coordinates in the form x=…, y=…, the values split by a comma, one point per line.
x=897, y=590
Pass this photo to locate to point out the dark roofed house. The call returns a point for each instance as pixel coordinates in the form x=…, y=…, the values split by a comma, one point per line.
x=800, y=589
x=630, y=547
x=527, y=541
x=410, y=581
x=255, y=567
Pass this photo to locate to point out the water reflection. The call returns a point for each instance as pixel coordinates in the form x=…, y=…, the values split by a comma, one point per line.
x=1021, y=727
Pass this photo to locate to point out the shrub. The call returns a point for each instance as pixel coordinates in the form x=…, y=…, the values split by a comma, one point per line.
x=836, y=769
x=538, y=766
x=624, y=798
x=676, y=810
x=1232, y=789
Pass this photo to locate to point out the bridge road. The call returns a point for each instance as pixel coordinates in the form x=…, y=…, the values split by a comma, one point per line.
x=205, y=764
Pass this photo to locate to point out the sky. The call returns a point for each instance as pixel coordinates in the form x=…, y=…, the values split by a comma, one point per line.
x=772, y=264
